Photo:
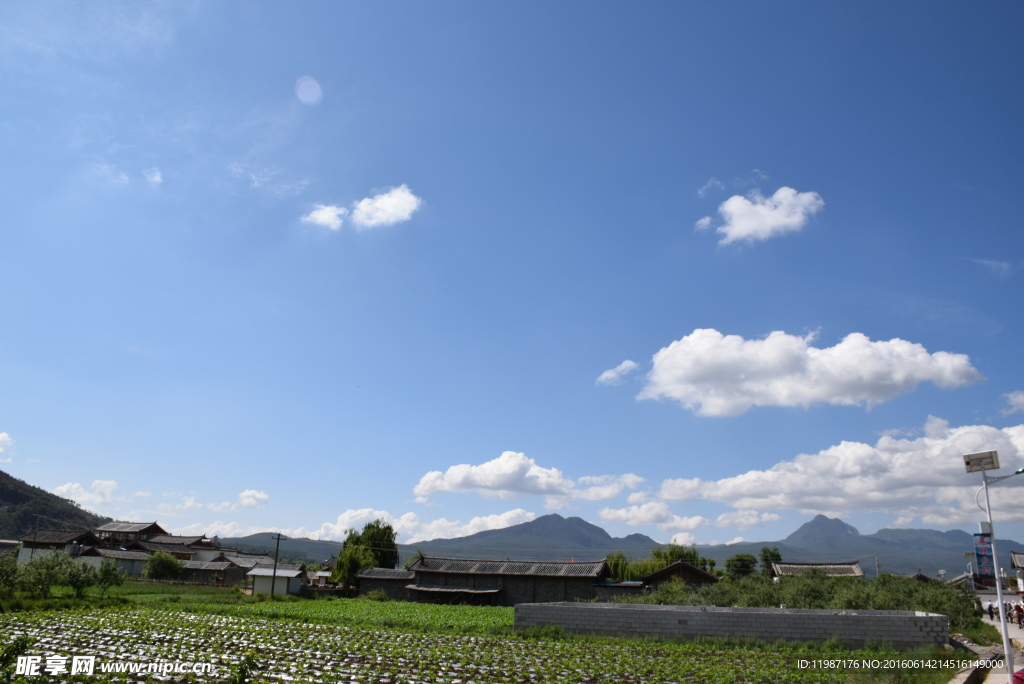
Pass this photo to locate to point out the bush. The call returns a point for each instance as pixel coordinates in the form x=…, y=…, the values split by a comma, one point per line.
x=163, y=566
x=80, y=576
x=378, y=594
x=8, y=574
x=39, y=575
x=109, y=576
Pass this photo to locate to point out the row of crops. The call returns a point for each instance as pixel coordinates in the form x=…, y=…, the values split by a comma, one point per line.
x=363, y=612
x=320, y=653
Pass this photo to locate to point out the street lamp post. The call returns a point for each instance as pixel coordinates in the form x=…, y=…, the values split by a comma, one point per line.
x=980, y=462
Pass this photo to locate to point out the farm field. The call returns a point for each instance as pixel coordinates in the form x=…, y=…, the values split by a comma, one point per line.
x=317, y=653
x=288, y=650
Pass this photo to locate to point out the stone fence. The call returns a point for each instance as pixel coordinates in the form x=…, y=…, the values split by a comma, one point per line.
x=899, y=629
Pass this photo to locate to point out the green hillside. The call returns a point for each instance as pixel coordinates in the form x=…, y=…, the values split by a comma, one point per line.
x=25, y=508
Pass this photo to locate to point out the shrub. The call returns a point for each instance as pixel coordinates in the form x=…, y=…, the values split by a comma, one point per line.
x=80, y=576
x=39, y=575
x=163, y=566
x=109, y=576
x=8, y=574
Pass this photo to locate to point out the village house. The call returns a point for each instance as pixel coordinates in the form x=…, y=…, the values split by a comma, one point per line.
x=847, y=569
x=285, y=579
x=504, y=583
x=394, y=581
x=43, y=542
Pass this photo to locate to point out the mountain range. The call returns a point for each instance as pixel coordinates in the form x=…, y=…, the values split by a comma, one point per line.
x=25, y=508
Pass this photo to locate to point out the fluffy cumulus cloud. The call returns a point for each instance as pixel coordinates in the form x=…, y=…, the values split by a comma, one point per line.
x=385, y=209
x=1014, y=403
x=411, y=529
x=5, y=444
x=326, y=215
x=725, y=375
x=102, y=492
x=614, y=376
x=513, y=474
x=653, y=513
x=153, y=176
x=919, y=479
x=253, y=498
x=756, y=217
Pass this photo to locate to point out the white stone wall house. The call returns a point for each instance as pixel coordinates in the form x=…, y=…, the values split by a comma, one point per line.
x=288, y=580
x=132, y=563
x=43, y=542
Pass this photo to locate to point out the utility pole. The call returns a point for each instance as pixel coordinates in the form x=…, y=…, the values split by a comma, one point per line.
x=273, y=577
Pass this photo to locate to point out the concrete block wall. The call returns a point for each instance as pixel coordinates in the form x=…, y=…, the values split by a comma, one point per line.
x=899, y=629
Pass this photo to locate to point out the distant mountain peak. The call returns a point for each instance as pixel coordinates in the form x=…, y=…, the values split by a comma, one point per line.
x=822, y=531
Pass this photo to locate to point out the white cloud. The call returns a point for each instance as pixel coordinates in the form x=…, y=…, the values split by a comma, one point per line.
x=756, y=217
x=1000, y=269
x=683, y=539
x=220, y=529
x=222, y=507
x=5, y=442
x=1014, y=403
x=680, y=489
x=653, y=513
x=513, y=474
x=637, y=498
x=153, y=176
x=615, y=375
x=411, y=530
x=102, y=492
x=725, y=375
x=744, y=519
x=110, y=173
x=253, y=498
x=707, y=187
x=385, y=209
x=326, y=215
x=268, y=179
x=916, y=479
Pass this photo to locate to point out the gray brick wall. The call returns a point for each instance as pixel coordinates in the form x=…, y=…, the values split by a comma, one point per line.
x=899, y=629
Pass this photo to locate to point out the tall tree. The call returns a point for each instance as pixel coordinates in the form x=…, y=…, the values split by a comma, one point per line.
x=378, y=537
x=740, y=565
x=769, y=555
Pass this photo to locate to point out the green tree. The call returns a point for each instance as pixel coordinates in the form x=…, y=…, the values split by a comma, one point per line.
x=109, y=576
x=162, y=566
x=8, y=574
x=353, y=559
x=740, y=565
x=80, y=576
x=379, y=539
x=769, y=556
x=670, y=553
x=39, y=575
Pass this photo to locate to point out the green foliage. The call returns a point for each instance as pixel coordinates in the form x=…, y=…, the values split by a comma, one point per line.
x=740, y=565
x=162, y=566
x=243, y=671
x=625, y=569
x=769, y=555
x=379, y=538
x=27, y=508
x=9, y=656
x=80, y=576
x=8, y=574
x=378, y=594
x=354, y=557
x=109, y=576
x=39, y=575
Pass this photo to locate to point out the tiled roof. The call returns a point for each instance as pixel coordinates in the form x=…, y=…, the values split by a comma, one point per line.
x=58, y=536
x=1017, y=558
x=166, y=548
x=247, y=561
x=269, y=572
x=850, y=569
x=173, y=539
x=117, y=554
x=205, y=565
x=132, y=527
x=679, y=568
x=386, y=573
x=451, y=590
x=469, y=566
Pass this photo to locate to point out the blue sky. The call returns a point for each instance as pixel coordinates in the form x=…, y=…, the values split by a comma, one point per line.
x=699, y=271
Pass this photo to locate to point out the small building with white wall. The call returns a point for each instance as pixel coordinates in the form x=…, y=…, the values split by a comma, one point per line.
x=288, y=580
